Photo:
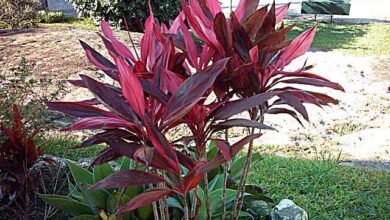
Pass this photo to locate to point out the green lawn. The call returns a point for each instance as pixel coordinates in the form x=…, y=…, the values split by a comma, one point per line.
x=323, y=188
x=326, y=190
x=358, y=39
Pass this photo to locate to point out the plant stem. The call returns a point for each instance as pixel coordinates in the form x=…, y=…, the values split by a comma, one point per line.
x=155, y=208
x=186, y=216
x=225, y=175
x=206, y=184
x=241, y=186
x=194, y=204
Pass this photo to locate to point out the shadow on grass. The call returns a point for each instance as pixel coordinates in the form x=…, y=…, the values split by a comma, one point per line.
x=332, y=36
x=11, y=32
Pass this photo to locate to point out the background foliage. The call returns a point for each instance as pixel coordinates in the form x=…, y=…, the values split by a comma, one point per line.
x=136, y=11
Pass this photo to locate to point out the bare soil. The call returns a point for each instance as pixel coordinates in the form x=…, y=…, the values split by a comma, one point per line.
x=356, y=131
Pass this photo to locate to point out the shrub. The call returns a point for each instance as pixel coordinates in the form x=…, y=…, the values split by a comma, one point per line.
x=171, y=82
x=135, y=11
x=18, y=154
x=18, y=13
x=51, y=16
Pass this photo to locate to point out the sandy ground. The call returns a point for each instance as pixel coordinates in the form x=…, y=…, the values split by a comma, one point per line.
x=355, y=131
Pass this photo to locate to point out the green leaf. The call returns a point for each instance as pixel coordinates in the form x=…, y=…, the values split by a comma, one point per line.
x=73, y=191
x=102, y=171
x=67, y=204
x=127, y=164
x=96, y=199
x=173, y=203
x=79, y=174
x=145, y=212
x=131, y=192
x=86, y=217
x=237, y=166
x=216, y=183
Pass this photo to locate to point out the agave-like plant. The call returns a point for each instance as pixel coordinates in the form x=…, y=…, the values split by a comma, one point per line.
x=240, y=59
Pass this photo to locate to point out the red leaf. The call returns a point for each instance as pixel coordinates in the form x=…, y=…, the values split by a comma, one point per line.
x=281, y=12
x=119, y=47
x=223, y=32
x=245, y=8
x=314, y=82
x=131, y=87
x=144, y=199
x=193, y=178
x=284, y=111
x=295, y=103
x=235, y=107
x=213, y=6
x=192, y=90
x=78, y=109
x=105, y=156
x=104, y=137
x=297, y=47
x=218, y=160
x=99, y=123
x=185, y=160
x=224, y=147
x=241, y=123
x=110, y=98
x=253, y=23
x=127, y=178
x=96, y=58
x=192, y=52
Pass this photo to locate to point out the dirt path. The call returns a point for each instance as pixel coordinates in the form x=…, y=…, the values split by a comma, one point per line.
x=357, y=130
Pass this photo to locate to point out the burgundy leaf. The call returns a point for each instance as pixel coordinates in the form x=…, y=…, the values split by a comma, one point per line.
x=192, y=52
x=219, y=159
x=295, y=103
x=253, y=23
x=104, y=137
x=131, y=87
x=224, y=147
x=223, y=32
x=151, y=89
x=235, y=107
x=78, y=109
x=144, y=199
x=245, y=8
x=96, y=58
x=127, y=178
x=105, y=156
x=281, y=12
x=162, y=146
x=119, y=47
x=109, y=98
x=285, y=111
x=124, y=148
x=313, y=82
x=192, y=90
x=99, y=123
x=297, y=47
x=185, y=160
x=242, y=123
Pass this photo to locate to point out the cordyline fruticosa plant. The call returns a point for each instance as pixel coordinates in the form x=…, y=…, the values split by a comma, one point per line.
x=240, y=59
x=18, y=153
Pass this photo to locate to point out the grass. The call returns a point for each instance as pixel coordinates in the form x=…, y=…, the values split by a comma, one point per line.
x=325, y=189
x=61, y=146
x=358, y=39
x=73, y=22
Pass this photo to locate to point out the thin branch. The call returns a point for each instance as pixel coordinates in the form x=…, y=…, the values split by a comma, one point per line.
x=131, y=39
x=186, y=216
x=225, y=176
